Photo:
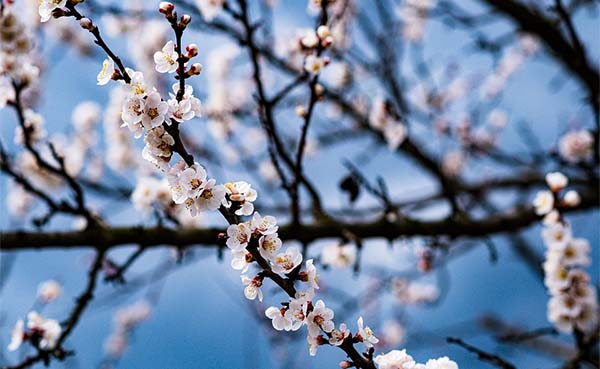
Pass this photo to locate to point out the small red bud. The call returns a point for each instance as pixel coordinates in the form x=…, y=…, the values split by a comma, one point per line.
x=166, y=7
x=185, y=19
x=86, y=23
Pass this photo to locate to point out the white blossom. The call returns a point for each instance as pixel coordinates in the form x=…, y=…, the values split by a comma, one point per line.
x=154, y=110
x=166, y=59
x=320, y=318
x=209, y=8
x=338, y=256
x=287, y=261
x=556, y=181
x=47, y=6
x=395, y=359
x=242, y=193
x=268, y=245
x=278, y=318
x=543, y=202
x=238, y=236
x=252, y=289
x=105, y=74
x=49, y=291
x=339, y=335
x=576, y=146
x=366, y=334
x=48, y=329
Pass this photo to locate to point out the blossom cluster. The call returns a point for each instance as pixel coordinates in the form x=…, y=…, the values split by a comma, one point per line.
x=312, y=43
x=400, y=359
x=144, y=112
x=573, y=303
x=301, y=310
x=17, y=62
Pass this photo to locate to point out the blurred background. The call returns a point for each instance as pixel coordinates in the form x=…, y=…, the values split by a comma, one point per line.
x=199, y=316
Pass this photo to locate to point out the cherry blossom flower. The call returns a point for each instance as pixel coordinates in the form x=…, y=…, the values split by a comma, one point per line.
x=572, y=198
x=395, y=359
x=243, y=195
x=137, y=86
x=297, y=311
x=238, y=236
x=209, y=8
x=49, y=291
x=16, y=336
x=278, y=318
x=393, y=333
x=314, y=64
x=263, y=225
x=440, y=363
x=339, y=335
x=365, y=334
x=268, y=245
x=287, y=261
x=187, y=183
x=241, y=260
x=157, y=148
x=166, y=59
x=133, y=112
x=47, y=6
x=320, y=318
x=556, y=181
x=252, y=290
x=557, y=236
x=311, y=275
x=338, y=256
x=576, y=146
x=543, y=202
x=105, y=74
x=154, y=111
x=212, y=196
x=49, y=330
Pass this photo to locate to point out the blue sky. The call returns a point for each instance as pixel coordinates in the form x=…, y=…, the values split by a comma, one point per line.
x=202, y=318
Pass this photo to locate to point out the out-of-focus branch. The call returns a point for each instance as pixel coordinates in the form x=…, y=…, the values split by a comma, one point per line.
x=508, y=221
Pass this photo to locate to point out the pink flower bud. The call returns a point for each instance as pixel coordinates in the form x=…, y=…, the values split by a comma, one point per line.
x=192, y=50
x=195, y=69
x=185, y=19
x=166, y=7
x=86, y=23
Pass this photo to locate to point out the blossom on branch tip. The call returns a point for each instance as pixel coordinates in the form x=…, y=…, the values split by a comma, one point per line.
x=365, y=334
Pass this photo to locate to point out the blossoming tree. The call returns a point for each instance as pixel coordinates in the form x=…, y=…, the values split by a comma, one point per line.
x=229, y=155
